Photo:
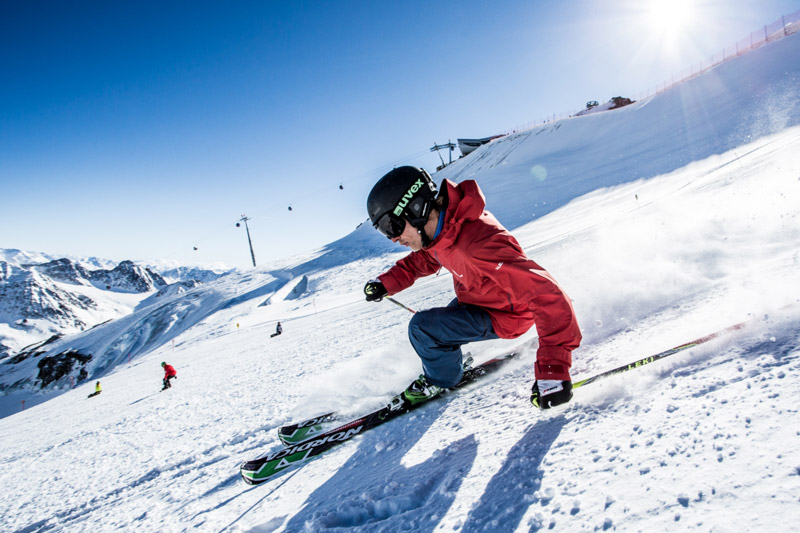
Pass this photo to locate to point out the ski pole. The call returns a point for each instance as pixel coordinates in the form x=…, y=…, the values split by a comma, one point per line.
x=662, y=355
x=395, y=302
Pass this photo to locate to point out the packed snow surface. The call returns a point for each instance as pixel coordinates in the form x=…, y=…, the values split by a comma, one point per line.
x=686, y=241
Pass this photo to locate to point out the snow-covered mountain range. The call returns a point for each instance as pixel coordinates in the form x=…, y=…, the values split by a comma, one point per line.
x=43, y=300
x=664, y=221
x=53, y=293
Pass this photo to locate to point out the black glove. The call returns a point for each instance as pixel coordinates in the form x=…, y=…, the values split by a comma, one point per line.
x=547, y=393
x=375, y=291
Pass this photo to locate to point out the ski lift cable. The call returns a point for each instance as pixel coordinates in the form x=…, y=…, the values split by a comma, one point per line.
x=208, y=236
x=262, y=214
x=363, y=175
x=292, y=203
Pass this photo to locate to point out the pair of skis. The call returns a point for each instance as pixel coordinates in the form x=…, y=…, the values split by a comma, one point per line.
x=306, y=440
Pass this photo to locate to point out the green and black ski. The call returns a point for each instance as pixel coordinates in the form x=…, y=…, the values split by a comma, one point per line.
x=311, y=442
x=302, y=431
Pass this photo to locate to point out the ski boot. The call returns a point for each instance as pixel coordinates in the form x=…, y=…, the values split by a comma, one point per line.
x=421, y=390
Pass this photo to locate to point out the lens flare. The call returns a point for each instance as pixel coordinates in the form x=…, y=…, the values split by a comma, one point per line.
x=539, y=173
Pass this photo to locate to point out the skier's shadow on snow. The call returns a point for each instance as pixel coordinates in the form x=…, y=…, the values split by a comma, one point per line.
x=374, y=491
x=513, y=489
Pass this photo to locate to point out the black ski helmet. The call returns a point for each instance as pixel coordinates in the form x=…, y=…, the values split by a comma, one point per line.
x=403, y=192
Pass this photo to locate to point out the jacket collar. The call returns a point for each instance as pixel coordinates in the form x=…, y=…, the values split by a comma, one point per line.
x=465, y=202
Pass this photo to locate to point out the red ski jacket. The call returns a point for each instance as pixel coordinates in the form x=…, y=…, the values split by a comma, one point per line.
x=490, y=270
x=169, y=371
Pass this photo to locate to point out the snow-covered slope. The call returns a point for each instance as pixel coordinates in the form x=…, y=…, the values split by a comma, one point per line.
x=531, y=173
x=678, y=236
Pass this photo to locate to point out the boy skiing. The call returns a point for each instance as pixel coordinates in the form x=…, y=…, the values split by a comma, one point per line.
x=500, y=292
x=169, y=373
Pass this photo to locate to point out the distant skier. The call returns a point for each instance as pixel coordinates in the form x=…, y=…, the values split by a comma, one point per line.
x=97, y=390
x=169, y=373
x=278, y=330
x=500, y=292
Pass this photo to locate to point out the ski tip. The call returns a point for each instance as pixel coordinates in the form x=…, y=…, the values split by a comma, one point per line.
x=251, y=481
x=248, y=472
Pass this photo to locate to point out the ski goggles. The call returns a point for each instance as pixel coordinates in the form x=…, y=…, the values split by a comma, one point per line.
x=390, y=225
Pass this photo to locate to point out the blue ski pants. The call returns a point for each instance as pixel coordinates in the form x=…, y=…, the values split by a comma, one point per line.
x=437, y=335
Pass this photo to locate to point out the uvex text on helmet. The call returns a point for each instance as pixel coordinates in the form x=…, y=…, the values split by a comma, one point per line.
x=405, y=191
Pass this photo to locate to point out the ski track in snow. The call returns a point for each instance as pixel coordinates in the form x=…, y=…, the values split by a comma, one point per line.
x=705, y=440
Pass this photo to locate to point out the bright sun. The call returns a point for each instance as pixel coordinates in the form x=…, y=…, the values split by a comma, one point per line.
x=670, y=16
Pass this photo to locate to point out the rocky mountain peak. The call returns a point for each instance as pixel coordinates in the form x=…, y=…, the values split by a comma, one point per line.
x=66, y=271
x=128, y=277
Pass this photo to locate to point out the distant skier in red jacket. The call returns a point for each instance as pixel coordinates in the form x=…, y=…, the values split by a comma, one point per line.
x=500, y=293
x=169, y=373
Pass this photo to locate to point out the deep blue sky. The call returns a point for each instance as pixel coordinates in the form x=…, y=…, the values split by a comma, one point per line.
x=138, y=130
